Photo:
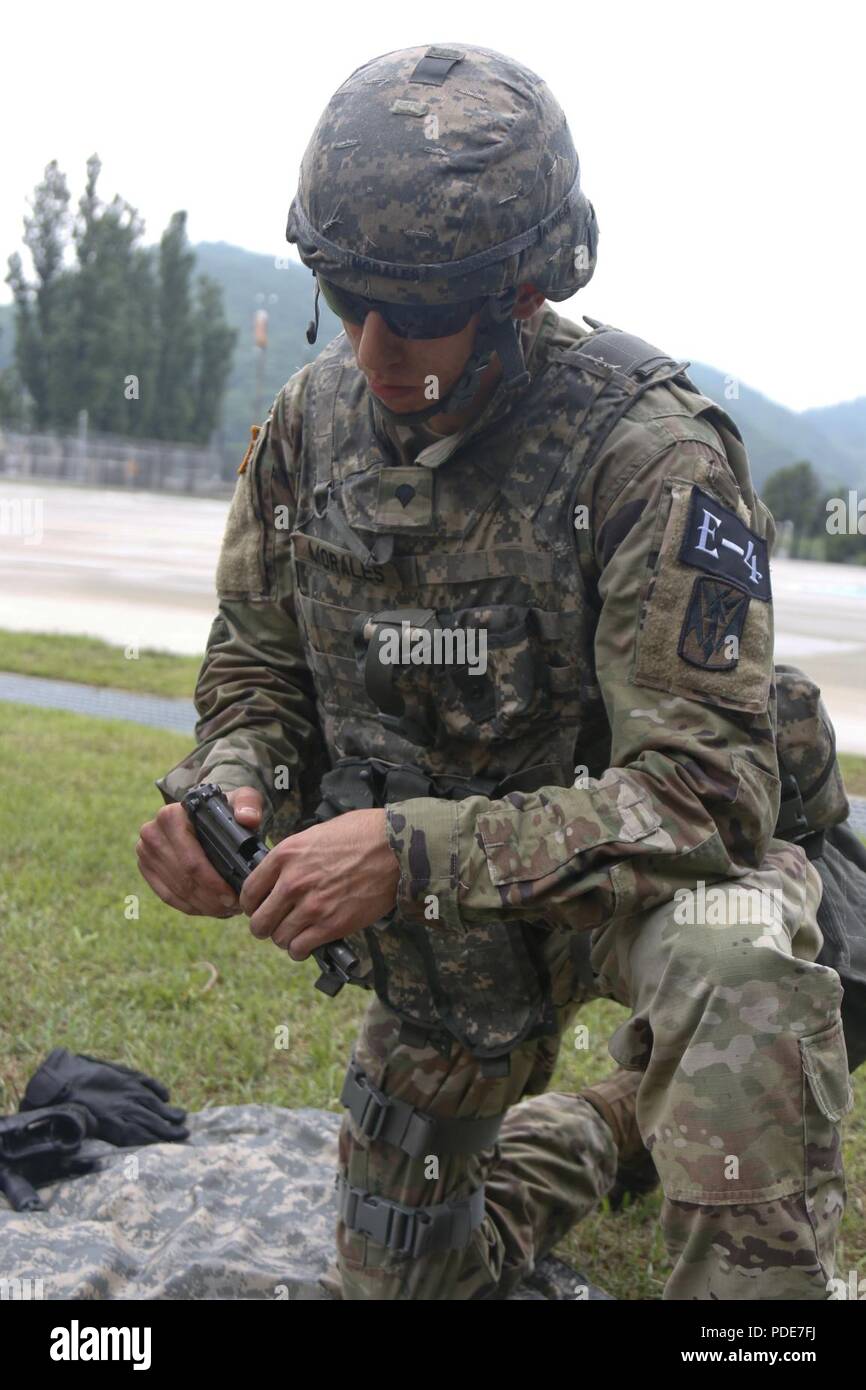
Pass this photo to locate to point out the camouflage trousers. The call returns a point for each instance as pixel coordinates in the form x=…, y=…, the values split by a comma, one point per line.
x=738, y=1036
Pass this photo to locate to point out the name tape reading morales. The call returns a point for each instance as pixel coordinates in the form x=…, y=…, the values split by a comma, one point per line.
x=719, y=543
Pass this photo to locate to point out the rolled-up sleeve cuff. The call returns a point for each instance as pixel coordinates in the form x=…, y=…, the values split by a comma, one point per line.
x=424, y=835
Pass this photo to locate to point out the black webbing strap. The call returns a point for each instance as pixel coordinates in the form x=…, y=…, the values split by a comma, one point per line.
x=325, y=500
x=620, y=353
x=632, y=356
x=435, y=66
x=380, y=1116
x=791, y=823
x=411, y=1230
x=379, y=675
x=355, y=784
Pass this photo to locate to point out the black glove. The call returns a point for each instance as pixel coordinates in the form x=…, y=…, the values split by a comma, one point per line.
x=123, y=1106
x=38, y=1147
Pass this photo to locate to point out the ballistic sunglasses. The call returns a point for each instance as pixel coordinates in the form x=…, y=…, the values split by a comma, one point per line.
x=404, y=320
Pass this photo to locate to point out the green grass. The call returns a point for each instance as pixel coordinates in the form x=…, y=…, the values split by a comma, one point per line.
x=853, y=773
x=154, y=672
x=95, y=662
x=197, y=1002
x=79, y=970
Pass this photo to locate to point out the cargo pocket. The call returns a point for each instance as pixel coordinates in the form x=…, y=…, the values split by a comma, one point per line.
x=827, y=1098
x=614, y=811
x=825, y=1064
x=510, y=686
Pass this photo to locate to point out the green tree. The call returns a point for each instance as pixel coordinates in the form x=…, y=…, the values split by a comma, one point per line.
x=215, y=342
x=142, y=340
x=173, y=405
x=795, y=494
x=108, y=288
x=40, y=309
x=120, y=331
x=13, y=406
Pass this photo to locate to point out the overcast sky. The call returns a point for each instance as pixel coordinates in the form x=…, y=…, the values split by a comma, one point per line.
x=722, y=146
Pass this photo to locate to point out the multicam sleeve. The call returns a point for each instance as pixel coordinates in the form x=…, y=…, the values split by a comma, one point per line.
x=684, y=661
x=254, y=694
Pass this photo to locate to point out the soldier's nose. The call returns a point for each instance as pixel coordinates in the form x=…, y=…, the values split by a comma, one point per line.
x=379, y=348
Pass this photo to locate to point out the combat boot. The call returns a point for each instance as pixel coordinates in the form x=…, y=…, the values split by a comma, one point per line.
x=614, y=1099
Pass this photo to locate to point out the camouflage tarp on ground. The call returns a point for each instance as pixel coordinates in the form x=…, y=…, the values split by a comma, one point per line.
x=244, y=1209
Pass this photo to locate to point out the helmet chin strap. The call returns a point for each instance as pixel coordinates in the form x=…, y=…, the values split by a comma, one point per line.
x=497, y=332
x=460, y=397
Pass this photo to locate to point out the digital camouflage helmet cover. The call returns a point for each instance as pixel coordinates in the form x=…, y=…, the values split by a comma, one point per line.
x=446, y=173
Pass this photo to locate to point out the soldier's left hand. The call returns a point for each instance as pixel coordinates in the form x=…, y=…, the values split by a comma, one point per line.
x=323, y=883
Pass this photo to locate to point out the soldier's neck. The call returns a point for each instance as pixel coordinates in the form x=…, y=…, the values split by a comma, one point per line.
x=410, y=440
x=459, y=420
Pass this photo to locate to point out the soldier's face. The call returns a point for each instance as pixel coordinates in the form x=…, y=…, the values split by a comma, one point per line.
x=408, y=374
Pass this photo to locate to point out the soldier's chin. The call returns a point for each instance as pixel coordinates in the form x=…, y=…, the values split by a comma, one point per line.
x=400, y=398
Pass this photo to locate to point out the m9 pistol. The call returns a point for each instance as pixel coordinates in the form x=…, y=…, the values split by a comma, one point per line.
x=235, y=852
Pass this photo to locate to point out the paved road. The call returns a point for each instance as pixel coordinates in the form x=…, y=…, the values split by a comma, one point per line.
x=821, y=627
x=156, y=711
x=130, y=567
x=138, y=567
x=178, y=715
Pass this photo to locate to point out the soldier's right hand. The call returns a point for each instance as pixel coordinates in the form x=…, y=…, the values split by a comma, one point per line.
x=173, y=862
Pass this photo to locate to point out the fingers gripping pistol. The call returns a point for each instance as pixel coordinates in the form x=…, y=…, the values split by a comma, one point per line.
x=235, y=852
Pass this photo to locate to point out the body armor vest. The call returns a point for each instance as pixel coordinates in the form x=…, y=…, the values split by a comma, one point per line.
x=486, y=541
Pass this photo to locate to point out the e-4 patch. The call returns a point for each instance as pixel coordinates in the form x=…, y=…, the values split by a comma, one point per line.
x=717, y=541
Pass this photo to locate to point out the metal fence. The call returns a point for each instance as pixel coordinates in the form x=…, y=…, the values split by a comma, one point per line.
x=106, y=460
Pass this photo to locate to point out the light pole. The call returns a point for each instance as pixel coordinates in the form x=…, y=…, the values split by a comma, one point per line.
x=260, y=339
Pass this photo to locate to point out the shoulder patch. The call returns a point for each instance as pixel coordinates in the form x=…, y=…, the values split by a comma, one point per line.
x=255, y=431
x=715, y=540
x=713, y=625
x=258, y=439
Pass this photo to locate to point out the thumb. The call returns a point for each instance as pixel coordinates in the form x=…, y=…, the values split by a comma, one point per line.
x=246, y=803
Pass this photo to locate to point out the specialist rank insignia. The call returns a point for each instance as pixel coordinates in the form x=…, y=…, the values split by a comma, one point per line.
x=710, y=635
x=718, y=542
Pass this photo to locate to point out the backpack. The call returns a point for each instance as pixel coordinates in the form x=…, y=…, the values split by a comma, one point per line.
x=814, y=812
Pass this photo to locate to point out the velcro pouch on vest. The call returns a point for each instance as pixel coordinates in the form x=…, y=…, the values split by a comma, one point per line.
x=381, y=642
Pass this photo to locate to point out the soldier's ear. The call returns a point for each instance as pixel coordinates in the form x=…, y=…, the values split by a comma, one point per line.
x=528, y=300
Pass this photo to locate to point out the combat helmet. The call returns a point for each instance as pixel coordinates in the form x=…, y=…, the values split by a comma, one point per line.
x=443, y=175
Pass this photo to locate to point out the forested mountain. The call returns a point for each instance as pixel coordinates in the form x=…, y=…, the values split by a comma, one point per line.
x=831, y=438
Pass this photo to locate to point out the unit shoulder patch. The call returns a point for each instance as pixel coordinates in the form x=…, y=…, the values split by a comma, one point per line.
x=713, y=625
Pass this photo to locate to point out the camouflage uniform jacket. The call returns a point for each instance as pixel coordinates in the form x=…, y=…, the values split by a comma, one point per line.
x=643, y=656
